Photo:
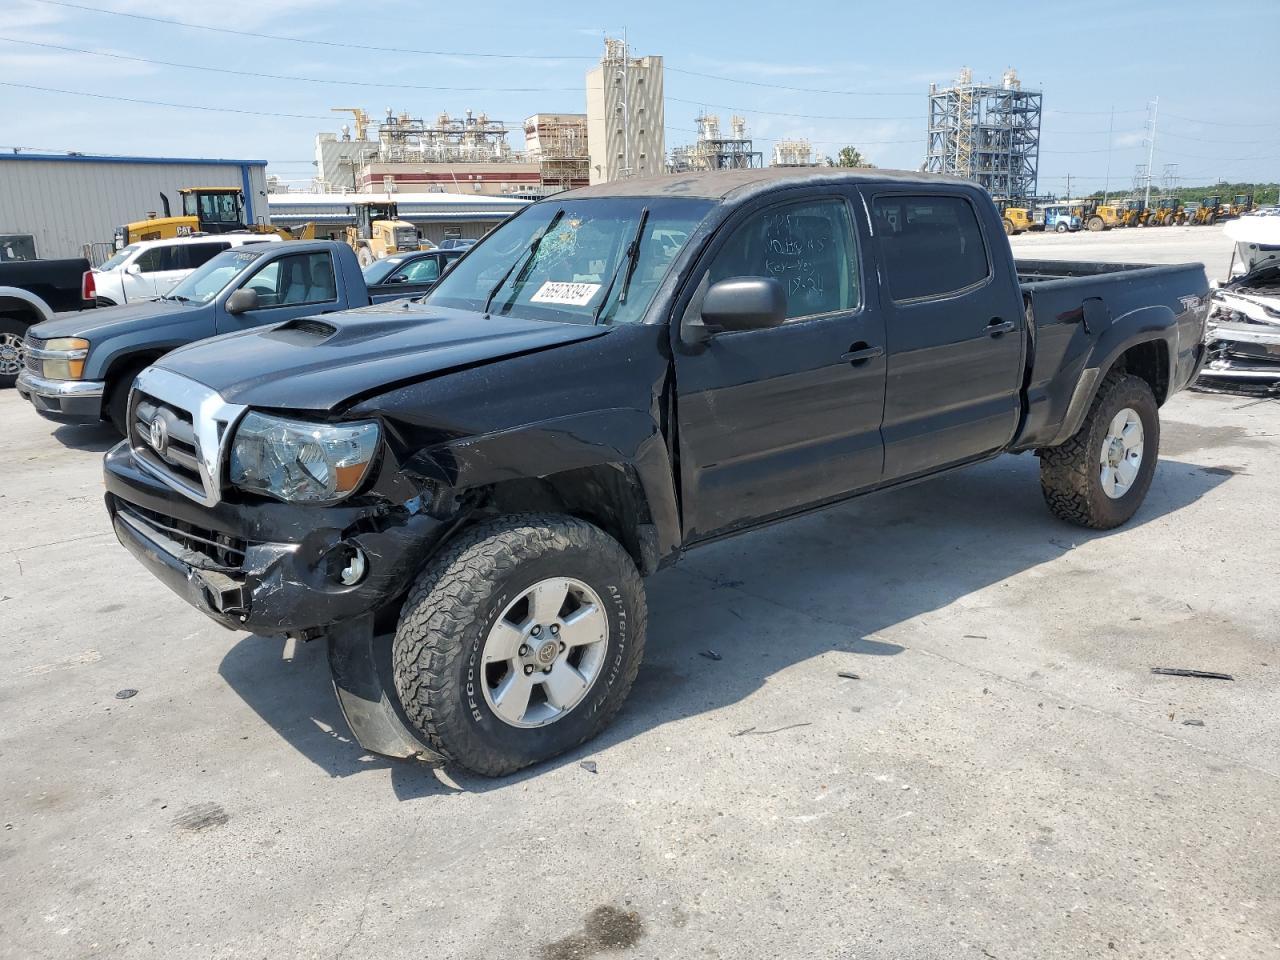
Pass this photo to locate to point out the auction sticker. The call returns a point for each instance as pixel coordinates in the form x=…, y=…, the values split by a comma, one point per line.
x=569, y=294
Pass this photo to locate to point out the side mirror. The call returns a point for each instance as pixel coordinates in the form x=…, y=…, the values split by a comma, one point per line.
x=743, y=303
x=398, y=278
x=134, y=269
x=242, y=301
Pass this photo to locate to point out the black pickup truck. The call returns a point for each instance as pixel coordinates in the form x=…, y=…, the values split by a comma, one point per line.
x=463, y=494
x=32, y=291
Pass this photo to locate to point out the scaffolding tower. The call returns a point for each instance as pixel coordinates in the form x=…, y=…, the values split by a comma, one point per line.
x=987, y=133
x=711, y=151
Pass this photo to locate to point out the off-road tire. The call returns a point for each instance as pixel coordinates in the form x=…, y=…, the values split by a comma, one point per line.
x=1069, y=474
x=1009, y=230
x=456, y=600
x=365, y=257
x=1097, y=224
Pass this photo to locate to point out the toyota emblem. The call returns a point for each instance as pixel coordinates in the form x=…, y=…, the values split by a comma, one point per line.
x=159, y=435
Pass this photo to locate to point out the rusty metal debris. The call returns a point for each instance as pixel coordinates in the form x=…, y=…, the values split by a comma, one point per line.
x=1201, y=674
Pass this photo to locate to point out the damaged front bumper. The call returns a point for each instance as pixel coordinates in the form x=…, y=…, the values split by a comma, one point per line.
x=1243, y=353
x=273, y=568
x=276, y=568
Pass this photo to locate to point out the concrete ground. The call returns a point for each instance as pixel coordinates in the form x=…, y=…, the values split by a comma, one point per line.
x=1006, y=779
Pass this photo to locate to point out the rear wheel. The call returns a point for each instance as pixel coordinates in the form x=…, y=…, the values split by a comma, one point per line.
x=12, y=331
x=520, y=641
x=1101, y=475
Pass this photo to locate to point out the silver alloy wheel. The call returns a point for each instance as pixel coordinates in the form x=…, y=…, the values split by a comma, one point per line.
x=544, y=652
x=1121, y=453
x=10, y=354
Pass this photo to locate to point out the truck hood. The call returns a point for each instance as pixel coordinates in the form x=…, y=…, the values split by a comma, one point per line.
x=103, y=323
x=317, y=363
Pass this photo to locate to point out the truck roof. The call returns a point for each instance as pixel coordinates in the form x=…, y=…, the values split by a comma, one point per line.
x=720, y=184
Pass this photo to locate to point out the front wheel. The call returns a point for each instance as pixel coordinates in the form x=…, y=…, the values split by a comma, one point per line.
x=520, y=641
x=365, y=257
x=12, y=332
x=1101, y=475
x=1062, y=228
x=1096, y=224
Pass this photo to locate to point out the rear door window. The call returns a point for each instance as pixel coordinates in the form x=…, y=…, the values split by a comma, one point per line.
x=198, y=254
x=930, y=246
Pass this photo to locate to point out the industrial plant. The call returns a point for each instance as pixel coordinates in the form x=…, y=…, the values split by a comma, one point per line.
x=986, y=132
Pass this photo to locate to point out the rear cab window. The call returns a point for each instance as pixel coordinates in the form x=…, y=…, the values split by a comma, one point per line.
x=930, y=246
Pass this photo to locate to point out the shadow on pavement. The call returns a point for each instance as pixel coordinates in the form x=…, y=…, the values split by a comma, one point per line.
x=852, y=571
x=91, y=437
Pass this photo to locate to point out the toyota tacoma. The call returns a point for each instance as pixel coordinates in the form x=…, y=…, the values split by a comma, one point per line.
x=463, y=495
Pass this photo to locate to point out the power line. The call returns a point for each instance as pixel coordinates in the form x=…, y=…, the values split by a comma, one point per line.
x=783, y=86
x=165, y=103
x=306, y=40
x=1222, y=123
x=281, y=76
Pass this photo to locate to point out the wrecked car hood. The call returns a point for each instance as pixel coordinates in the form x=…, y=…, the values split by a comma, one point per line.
x=317, y=363
x=1257, y=242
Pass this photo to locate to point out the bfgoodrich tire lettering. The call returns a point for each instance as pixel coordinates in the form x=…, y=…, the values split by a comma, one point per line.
x=455, y=603
x=1071, y=476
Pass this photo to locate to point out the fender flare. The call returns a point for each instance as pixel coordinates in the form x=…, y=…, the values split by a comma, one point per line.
x=1155, y=323
x=29, y=298
x=626, y=440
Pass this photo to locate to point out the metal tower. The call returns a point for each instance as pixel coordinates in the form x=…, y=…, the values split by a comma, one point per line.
x=986, y=133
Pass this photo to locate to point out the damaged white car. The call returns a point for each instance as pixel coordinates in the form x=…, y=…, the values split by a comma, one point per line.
x=1243, y=333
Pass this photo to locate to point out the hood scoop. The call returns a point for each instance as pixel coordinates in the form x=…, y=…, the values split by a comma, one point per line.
x=303, y=328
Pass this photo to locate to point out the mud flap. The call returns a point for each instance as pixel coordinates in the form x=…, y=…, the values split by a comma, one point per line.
x=365, y=701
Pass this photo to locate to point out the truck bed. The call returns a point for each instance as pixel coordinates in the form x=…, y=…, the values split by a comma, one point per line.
x=1073, y=305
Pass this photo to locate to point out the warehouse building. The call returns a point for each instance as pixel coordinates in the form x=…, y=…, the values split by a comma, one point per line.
x=438, y=216
x=68, y=201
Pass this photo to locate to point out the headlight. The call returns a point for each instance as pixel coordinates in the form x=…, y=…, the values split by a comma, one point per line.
x=62, y=358
x=301, y=462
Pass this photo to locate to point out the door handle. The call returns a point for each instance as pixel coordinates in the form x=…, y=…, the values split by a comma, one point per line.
x=861, y=352
x=998, y=326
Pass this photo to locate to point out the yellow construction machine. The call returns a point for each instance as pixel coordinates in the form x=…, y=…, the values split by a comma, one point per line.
x=379, y=231
x=1166, y=212
x=1016, y=219
x=204, y=210
x=1131, y=213
x=1207, y=212
x=1099, y=216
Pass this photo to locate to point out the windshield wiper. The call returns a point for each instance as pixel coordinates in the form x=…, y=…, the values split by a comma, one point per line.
x=523, y=264
x=175, y=298
x=632, y=255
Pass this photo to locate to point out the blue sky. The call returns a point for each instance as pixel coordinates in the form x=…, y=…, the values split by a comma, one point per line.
x=1218, y=113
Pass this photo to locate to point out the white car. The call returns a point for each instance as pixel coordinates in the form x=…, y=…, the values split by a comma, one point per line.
x=149, y=268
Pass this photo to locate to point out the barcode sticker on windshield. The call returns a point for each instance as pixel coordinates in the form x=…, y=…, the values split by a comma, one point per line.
x=570, y=294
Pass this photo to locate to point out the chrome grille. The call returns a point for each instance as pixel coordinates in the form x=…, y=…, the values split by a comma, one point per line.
x=165, y=433
x=178, y=430
x=31, y=363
